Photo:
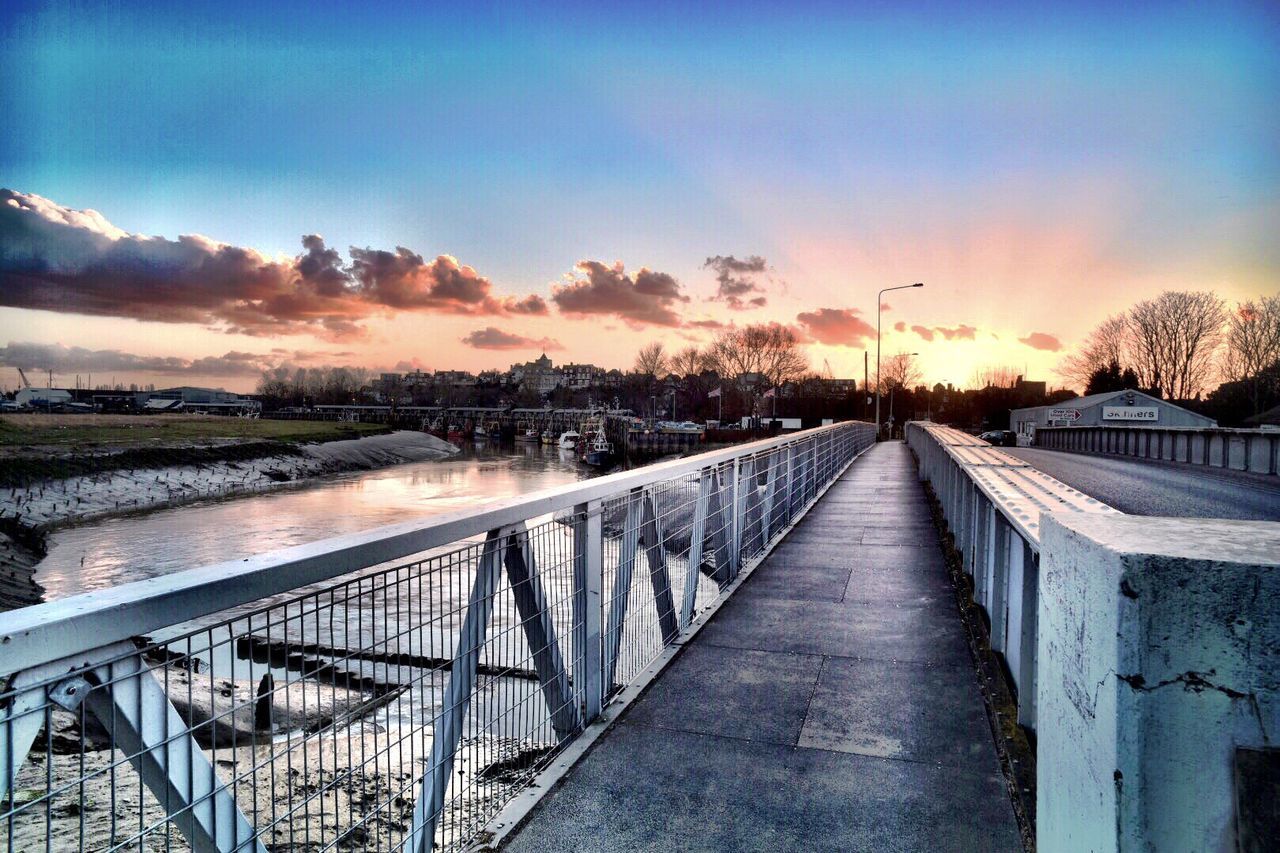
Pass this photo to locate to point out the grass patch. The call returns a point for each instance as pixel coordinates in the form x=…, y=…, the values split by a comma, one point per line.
x=90, y=432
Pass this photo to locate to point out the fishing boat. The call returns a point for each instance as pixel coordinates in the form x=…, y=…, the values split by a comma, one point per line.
x=598, y=450
x=569, y=440
x=528, y=434
x=455, y=433
x=548, y=437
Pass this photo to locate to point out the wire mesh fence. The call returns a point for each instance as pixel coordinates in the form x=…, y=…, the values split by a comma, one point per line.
x=395, y=706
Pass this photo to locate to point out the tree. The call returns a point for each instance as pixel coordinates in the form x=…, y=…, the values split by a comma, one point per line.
x=1173, y=339
x=652, y=360
x=899, y=371
x=995, y=376
x=1253, y=345
x=688, y=362
x=1111, y=378
x=1108, y=342
x=757, y=357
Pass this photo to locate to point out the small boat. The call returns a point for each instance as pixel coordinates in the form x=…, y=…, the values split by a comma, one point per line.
x=528, y=435
x=569, y=440
x=454, y=434
x=480, y=433
x=548, y=437
x=598, y=451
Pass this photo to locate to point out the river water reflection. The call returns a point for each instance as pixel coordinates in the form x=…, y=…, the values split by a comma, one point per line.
x=114, y=551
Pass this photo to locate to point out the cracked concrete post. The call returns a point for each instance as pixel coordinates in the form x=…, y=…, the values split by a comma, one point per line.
x=1159, y=657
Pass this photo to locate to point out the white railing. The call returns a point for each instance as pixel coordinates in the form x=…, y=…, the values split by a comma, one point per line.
x=389, y=690
x=993, y=503
x=1256, y=450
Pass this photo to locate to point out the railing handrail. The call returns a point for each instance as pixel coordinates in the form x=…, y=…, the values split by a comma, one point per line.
x=1155, y=427
x=71, y=626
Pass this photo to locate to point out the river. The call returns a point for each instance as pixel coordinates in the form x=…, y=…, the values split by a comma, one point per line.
x=113, y=551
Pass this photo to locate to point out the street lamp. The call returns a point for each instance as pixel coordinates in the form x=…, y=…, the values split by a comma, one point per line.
x=879, y=296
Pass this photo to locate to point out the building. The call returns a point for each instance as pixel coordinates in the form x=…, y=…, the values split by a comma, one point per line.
x=581, y=376
x=538, y=376
x=455, y=378
x=1116, y=408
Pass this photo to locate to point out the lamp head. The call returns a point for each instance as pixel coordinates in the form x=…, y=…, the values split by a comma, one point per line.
x=918, y=284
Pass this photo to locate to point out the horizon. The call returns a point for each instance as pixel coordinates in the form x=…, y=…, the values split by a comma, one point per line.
x=495, y=183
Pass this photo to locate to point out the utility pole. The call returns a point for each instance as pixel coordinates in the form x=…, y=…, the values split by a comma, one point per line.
x=879, y=303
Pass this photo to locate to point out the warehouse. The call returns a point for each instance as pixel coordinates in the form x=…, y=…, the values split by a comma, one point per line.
x=1115, y=408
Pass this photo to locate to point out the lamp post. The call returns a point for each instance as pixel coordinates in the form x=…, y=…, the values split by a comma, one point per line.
x=879, y=296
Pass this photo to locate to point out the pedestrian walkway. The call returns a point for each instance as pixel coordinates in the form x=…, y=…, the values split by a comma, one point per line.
x=829, y=705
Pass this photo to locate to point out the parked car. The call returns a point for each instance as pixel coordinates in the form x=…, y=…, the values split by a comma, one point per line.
x=1000, y=438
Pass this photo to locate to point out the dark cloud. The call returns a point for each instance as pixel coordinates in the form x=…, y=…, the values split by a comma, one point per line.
x=923, y=332
x=491, y=337
x=899, y=326
x=55, y=258
x=1042, y=341
x=64, y=359
x=650, y=298
x=736, y=279
x=836, y=326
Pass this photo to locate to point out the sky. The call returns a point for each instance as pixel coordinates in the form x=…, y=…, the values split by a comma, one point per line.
x=194, y=193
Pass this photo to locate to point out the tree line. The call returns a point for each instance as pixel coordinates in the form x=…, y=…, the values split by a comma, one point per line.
x=1190, y=348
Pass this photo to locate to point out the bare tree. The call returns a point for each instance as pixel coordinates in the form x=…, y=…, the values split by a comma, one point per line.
x=995, y=376
x=688, y=362
x=1174, y=338
x=1107, y=343
x=899, y=371
x=652, y=360
x=757, y=358
x=1253, y=343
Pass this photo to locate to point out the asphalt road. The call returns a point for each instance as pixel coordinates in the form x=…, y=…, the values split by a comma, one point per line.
x=1142, y=487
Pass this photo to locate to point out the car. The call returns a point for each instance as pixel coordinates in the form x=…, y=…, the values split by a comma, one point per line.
x=1000, y=438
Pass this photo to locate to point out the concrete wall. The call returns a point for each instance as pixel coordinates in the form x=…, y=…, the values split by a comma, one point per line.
x=1159, y=654
x=1256, y=450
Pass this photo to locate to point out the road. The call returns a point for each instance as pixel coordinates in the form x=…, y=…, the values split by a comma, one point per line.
x=1143, y=487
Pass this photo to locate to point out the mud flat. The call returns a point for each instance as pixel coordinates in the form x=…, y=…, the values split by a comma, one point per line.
x=116, y=484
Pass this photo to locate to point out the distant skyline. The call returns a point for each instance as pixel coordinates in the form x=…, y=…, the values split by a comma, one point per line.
x=192, y=195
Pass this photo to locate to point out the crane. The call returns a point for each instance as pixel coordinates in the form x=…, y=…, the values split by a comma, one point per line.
x=26, y=383
x=826, y=370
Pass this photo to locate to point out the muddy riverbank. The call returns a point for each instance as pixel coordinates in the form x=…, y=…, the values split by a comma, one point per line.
x=133, y=481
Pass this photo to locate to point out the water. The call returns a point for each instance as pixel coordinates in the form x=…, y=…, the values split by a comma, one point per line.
x=114, y=551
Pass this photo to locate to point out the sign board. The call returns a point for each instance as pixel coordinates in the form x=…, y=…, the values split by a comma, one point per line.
x=1149, y=414
x=1067, y=415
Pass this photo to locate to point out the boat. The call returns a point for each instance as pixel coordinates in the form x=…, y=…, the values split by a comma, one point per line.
x=529, y=434
x=481, y=433
x=548, y=437
x=454, y=435
x=569, y=440
x=597, y=451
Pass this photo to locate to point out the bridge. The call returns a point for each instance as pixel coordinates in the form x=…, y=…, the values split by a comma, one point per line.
x=761, y=647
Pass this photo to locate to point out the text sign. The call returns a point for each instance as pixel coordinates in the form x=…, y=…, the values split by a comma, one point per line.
x=1130, y=413
x=1064, y=414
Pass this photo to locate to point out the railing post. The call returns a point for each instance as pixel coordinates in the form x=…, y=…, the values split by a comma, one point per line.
x=738, y=519
x=588, y=573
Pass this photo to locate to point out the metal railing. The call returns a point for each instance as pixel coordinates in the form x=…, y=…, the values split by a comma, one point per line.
x=1256, y=450
x=993, y=502
x=389, y=690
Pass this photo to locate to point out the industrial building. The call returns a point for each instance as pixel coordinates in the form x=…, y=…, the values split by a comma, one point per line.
x=1116, y=408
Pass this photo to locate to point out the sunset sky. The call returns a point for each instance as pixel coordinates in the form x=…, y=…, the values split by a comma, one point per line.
x=192, y=195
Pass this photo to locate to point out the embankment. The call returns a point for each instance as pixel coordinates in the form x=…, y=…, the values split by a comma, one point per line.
x=140, y=479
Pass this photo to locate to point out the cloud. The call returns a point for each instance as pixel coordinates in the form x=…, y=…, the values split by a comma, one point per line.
x=55, y=258
x=1042, y=341
x=491, y=337
x=836, y=326
x=737, y=279
x=705, y=324
x=64, y=359
x=899, y=326
x=961, y=332
x=648, y=298
x=924, y=332
x=885, y=306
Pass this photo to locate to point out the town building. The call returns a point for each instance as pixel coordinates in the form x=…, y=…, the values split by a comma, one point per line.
x=1116, y=408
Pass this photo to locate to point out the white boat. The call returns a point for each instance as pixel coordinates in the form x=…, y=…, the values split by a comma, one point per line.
x=528, y=435
x=569, y=440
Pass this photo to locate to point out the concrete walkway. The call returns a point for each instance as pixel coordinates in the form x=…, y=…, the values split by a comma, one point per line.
x=829, y=705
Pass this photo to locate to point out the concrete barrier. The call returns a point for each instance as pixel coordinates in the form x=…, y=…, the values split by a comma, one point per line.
x=1255, y=450
x=1159, y=659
